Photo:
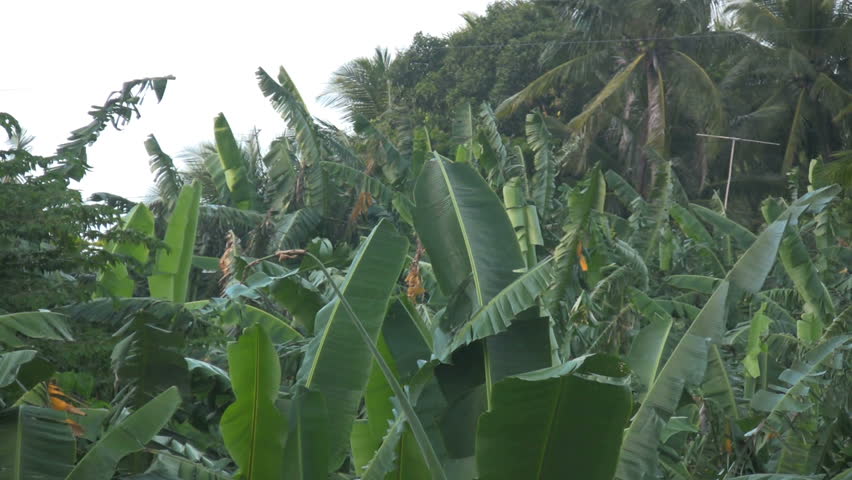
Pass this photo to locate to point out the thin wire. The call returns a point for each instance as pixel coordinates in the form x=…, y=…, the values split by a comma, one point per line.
x=697, y=36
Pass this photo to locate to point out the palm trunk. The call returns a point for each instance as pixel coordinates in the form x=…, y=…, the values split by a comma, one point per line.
x=626, y=143
x=655, y=125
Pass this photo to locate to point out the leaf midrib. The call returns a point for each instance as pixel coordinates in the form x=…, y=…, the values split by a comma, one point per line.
x=462, y=332
x=546, y=447
x=255, y=410
x=333, y=315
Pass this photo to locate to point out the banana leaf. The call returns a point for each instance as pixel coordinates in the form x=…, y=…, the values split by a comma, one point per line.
x=337, y=363
x=308, y=439
x=560, y=422
x=687, y=363
x=170, y=279
x=474, y=253
x=252, y=427
x=496, y=315
x=42, y=324
x=233, y=165
x=35, y=443
x=128, y=436
x=114, y=279
x=717, y=384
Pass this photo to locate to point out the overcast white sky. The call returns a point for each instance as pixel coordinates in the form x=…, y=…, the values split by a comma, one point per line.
x=72, y=54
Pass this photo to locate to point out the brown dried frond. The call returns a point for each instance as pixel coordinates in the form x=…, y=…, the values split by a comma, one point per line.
x=227, y=262
x=284, y=255
x=414, y=279
x=365, y=200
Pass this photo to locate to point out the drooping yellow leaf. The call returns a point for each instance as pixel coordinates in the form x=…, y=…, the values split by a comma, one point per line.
x=584, y=265
x=58, y=400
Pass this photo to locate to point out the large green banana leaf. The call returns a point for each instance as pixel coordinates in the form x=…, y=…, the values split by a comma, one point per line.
x=363, y=444
x=129, y=436
x=408, y=337
x=35, y=443
x=337, y=363
x=114, y=279
x=625, y=192
x=47, y=325
x=404, y=345
x=252, y=427
x=688, y=361
x=465, y=230
x=561, y=422
x=497, y=314
x=524, y=219
x=378, y=395
x=306, y=453
x=472, y=246
x=690, y=225
x=12, y=363
x=646, y=352
x=694, y=229
x=723, y=225
x=170, y=279
x=396, y=454
x=378, y=443
x=233, y=164
x=717, y=385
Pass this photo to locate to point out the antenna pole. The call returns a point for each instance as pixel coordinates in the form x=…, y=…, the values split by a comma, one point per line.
x=734, y=141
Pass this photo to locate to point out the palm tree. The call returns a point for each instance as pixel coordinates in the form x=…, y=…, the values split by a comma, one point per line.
x=361, y=88
x=804, y=48
x=219, y=212
x=646, y=50
x=275, y=197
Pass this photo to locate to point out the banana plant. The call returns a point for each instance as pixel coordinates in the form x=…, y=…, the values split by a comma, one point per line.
x=333, y=365
x=170, y=279
x=23, y=427
x=126, y=437
x=114, y=279
x=687, y=362
x=232, y=165
x=253, y=429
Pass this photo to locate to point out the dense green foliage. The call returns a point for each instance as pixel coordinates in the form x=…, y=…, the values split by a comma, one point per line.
x=446, y=292
x=49, y=238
